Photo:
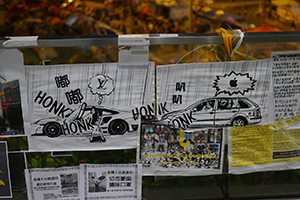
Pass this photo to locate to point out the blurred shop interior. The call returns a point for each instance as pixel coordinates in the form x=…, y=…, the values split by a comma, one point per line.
x=53, y=18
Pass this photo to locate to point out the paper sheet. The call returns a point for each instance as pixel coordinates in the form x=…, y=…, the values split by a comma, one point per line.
x=53, y=183
x=86, y=106
x=111, y=181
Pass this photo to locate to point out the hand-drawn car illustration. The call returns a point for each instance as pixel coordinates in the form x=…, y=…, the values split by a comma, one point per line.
x=214, y=112
x=80, y=122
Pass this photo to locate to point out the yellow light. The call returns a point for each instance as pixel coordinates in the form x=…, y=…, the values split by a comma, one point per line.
x=219, y=12
x=70, y=1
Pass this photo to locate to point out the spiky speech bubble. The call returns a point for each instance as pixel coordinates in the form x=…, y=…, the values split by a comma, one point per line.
x=234, y=83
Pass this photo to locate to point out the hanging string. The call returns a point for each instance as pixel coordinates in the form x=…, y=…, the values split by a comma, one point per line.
x=232, y=40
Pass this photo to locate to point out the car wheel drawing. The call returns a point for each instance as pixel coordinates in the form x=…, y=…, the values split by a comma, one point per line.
x=118, y=127
x=52, y=129
x=239, y=122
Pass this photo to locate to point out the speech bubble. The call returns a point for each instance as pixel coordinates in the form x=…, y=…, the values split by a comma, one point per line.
x=234, y=83
x=101, y=85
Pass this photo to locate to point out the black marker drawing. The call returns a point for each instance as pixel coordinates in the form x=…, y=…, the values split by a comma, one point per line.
x=86, y=120
x=74, y=96
x=101, y=85
x=234, y=83
x=62, y=81
x=97, y=133
x=216, y=112
x=92, y=121
x=61, y=106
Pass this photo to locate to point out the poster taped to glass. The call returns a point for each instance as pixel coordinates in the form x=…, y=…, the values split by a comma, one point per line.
x=111, y=181
x=53, y=183
x=85, y=106
x=12, y=93
x=167, y=150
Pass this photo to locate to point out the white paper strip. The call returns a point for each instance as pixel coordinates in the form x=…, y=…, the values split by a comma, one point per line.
x=21, y=41
x=133, y=39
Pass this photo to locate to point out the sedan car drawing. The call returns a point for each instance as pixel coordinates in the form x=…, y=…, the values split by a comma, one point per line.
x=215, y=112
x=79, y=122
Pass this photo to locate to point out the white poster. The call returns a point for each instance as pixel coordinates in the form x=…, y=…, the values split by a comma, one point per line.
x=286, y=83
x=13, y=114
x=215, y=94
x=53, y=183
x=86, y=106
x=111, y=181
x=199, y=101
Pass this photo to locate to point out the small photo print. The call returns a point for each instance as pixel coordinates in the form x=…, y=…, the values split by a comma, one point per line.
x=97, y=182
x=69, y=183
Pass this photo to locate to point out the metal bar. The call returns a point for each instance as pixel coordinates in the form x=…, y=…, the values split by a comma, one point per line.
x=78, y=41
x=161, y=39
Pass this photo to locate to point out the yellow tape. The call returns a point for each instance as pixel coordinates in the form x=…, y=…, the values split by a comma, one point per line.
x=227, y=39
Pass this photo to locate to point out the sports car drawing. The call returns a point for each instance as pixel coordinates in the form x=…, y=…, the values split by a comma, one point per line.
x=214, y=112
x=79, y=122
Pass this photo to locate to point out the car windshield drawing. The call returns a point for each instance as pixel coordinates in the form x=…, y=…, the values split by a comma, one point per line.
x=78, y=122
x=215, y=112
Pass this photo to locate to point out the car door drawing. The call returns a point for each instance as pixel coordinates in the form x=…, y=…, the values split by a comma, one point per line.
x=204, y=113
x=226, y=109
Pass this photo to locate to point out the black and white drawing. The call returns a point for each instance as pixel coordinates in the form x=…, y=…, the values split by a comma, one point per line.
x=89, y=106
x=216, y=112
x=89, y=121
x=101, y=85
x=220, y=111
x=213, y=95
x=234, y=83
